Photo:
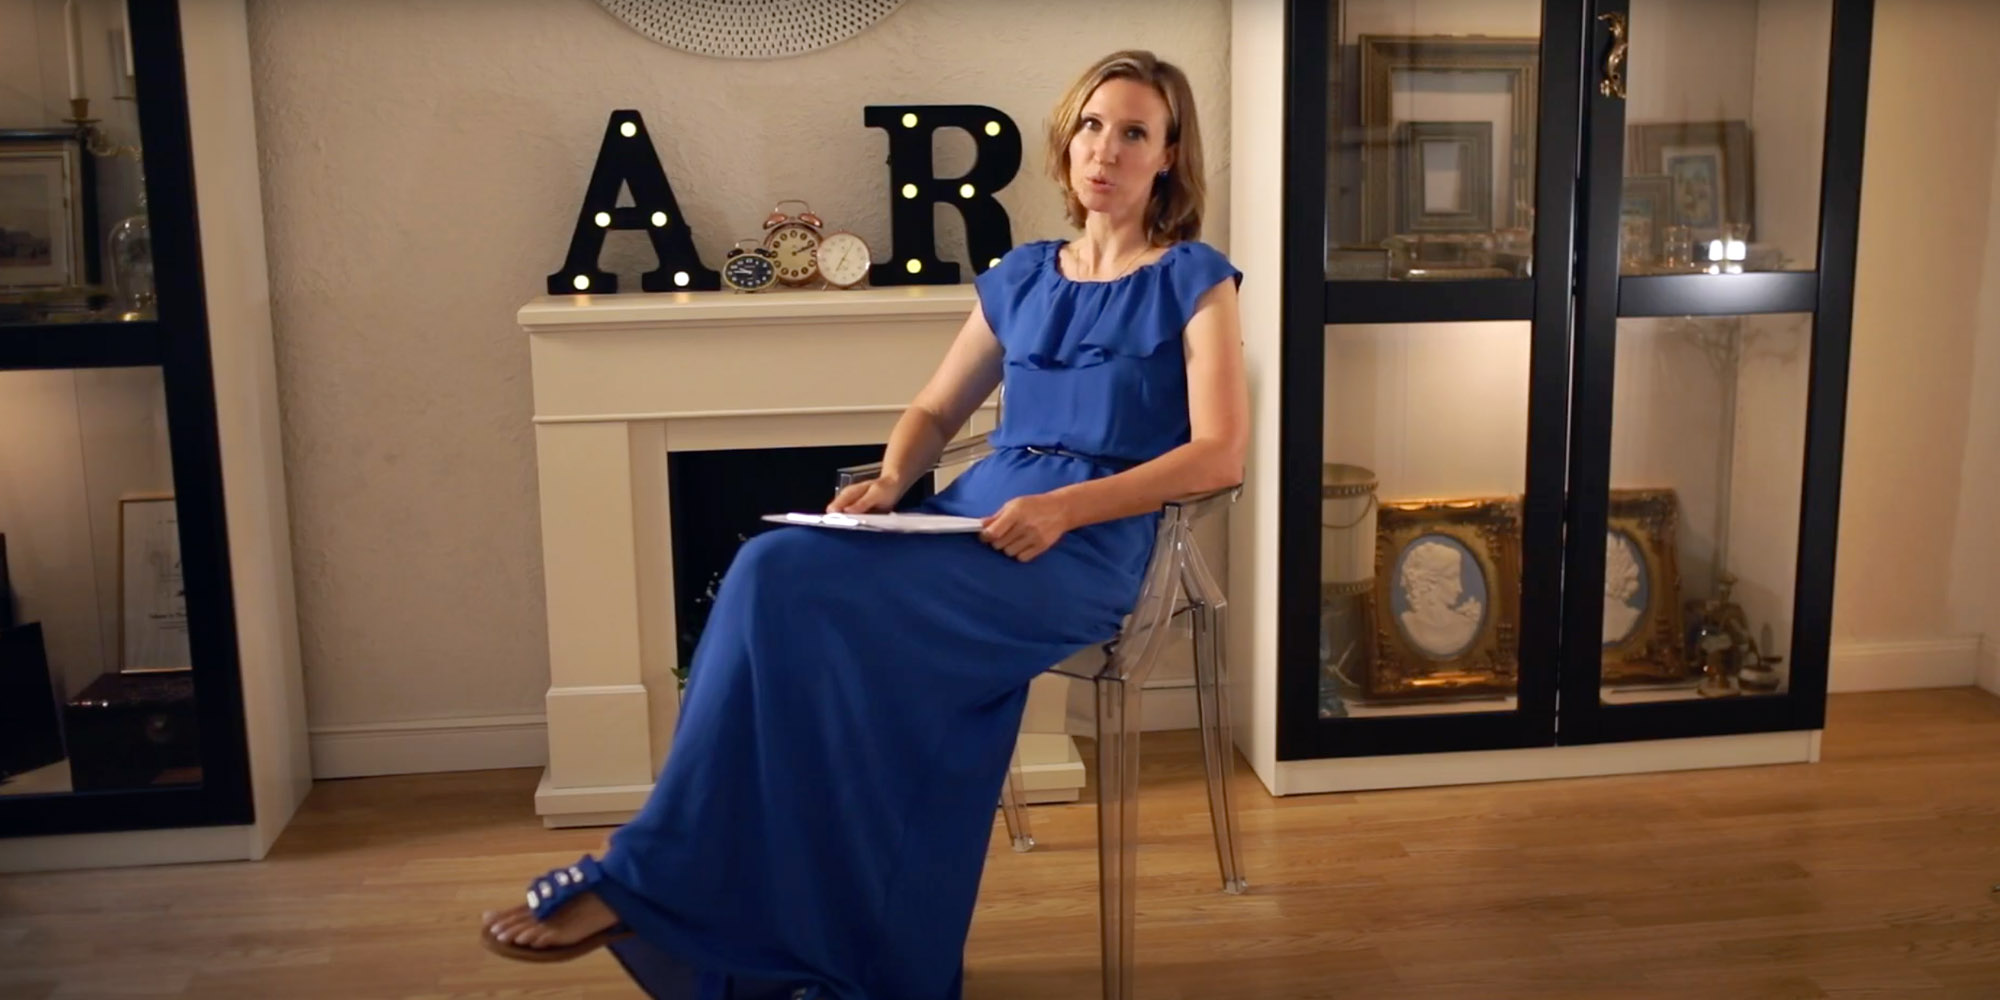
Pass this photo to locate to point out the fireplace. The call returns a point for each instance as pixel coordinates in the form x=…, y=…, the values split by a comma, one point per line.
x=642, y=403
x=717, y=501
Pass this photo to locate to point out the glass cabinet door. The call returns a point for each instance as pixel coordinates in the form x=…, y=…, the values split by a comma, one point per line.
x=1431, y=151
x=1725, y=117
x=1711, y=365
x=1426, y=440
x=1574, y=330
x=1707, y=471
x=95, y=661
x=1438, y=366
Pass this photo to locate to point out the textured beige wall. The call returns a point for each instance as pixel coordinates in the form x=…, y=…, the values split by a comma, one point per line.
x=1927, y=190
x=422, y=166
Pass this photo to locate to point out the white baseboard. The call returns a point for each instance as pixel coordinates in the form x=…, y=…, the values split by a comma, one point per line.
x=1169, y=708
x=425, y=745
x=1348, y=774
x=483, y=743
x=1904, y=664
x=130, y=849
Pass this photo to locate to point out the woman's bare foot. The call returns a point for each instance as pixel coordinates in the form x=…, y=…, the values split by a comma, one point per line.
x=578, y=919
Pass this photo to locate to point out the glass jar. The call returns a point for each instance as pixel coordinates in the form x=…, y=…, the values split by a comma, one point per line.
x=131, y=246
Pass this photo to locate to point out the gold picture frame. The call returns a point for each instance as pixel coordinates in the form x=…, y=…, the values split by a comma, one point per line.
x=1644, y=640
x=1446, y=603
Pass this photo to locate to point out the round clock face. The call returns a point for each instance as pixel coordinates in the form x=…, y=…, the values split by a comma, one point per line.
x=843, y=260
x=749, y=271
x=794, y=243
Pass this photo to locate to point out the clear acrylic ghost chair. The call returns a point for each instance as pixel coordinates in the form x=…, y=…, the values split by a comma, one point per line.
x=1177, y=583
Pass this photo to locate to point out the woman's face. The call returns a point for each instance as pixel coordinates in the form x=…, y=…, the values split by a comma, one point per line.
x=1120, y=145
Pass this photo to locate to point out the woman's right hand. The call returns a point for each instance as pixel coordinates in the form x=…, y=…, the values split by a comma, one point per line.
x=874, y=496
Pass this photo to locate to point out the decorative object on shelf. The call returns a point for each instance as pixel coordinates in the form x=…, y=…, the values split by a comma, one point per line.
x=626, y=157
x=1712, y=656
x=843, y=260
x=1729, y=251
x=30, y=721
x=1760, y=671
x=1402, y=63
x=152, y=598
x=751, y=268
x=1708, y=165
x=48, y=209
x=1345, y=263
x=1643, y=635
x=795, y=239
x=1444, y=177
x=131, y=238
x=749, y=29
x=914, y=189
x=1446, y=599
x=1645, y=211
x=1347, y=575
x=1346, y=646
x=1731, y=659
x=1444, y=257
x=1347, y=526
x=127, y=731
x=132, y=261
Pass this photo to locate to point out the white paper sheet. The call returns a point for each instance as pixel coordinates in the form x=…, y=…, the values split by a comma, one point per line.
x=915, y=524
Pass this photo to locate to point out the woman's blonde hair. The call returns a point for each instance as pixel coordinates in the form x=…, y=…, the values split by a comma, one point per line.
x=1173, y=213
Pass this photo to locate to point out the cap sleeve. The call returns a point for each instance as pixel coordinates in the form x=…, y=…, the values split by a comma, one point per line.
x=1003, y=289
x=1199, y=269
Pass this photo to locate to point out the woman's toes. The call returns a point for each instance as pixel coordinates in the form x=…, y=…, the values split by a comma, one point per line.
x=510, y=926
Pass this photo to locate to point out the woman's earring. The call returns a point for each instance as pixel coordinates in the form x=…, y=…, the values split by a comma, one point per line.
x=1163, y=175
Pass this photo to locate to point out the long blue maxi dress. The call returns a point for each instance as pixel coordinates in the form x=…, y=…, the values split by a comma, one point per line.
x=822, y=821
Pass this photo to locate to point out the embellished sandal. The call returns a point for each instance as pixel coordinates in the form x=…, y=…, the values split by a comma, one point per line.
x=548, y=894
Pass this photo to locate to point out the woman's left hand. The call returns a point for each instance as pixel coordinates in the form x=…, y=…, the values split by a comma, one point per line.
x=1026, y=527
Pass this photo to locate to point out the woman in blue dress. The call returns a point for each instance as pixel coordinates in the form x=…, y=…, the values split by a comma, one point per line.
x=823, y=817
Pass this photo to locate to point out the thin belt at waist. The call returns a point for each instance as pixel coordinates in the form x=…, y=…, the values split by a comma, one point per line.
x=1120, y=464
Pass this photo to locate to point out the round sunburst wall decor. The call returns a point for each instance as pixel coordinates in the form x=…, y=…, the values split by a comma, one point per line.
x=749, y=29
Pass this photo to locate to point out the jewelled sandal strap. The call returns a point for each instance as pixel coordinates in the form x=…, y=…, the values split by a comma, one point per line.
x=555, y=889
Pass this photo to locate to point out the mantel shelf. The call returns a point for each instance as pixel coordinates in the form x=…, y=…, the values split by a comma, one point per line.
x=558, y=313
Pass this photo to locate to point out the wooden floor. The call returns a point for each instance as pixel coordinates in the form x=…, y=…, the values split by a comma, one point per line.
x=1867, y=875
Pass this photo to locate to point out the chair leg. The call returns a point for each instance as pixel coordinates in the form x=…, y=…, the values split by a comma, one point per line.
x=1117, y=829
x=1217, y=747
x=1011, y=806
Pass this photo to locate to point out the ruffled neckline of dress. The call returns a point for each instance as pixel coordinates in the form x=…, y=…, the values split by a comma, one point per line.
x=1052, y=251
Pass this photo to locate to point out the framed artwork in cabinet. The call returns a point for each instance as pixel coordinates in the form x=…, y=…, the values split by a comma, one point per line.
x=1643, y=635
x=1447, y=596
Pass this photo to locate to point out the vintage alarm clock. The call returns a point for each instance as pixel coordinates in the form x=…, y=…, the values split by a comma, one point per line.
x=750, y=269
x=843, y=260
x=794, y=238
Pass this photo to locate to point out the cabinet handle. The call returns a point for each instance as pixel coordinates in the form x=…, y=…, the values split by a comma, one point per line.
x=1613, y=84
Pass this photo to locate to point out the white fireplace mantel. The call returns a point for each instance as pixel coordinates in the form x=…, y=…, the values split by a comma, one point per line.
x=620, y=381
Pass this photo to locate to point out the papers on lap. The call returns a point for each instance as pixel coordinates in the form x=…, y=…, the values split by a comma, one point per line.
x=914, y=524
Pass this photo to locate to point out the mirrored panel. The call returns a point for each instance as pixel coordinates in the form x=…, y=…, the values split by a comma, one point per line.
x=75, y=241
x=1431, y=142
x=96, y=687
x=1421, y=500
x=1707, y=471
x=1725, y=128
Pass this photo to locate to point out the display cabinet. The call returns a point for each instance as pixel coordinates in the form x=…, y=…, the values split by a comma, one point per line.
x=149, y=675
x=1563, y=359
